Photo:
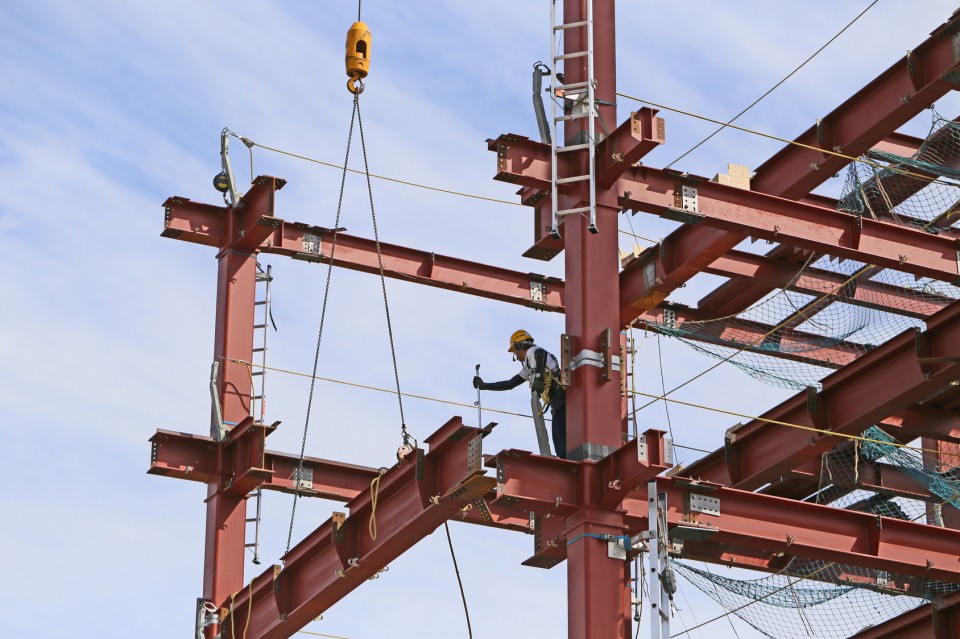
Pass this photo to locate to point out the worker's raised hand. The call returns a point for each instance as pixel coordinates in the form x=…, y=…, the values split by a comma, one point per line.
x=478, y=383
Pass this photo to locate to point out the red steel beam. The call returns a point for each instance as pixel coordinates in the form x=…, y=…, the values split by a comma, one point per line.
x=634, y=138
x=775, y=273
x=780, y=220
x=905, y=89
x=414, y=497
x=746, y=519
x=889, y=101
x=193, y=457
x=225, y=536
x=753, y=337
x=887, y=380
x=206, y=224
x=896, y=188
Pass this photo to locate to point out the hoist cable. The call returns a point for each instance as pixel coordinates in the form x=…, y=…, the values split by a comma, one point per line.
x=456, y=569
x=383, y=278
x=323, y=317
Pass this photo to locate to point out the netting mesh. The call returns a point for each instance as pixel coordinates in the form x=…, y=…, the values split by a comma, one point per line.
x=811, y=597
x=835, y=310
x=785, y=607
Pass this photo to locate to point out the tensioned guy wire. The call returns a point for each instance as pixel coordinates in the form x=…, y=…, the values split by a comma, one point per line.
x=773, y=88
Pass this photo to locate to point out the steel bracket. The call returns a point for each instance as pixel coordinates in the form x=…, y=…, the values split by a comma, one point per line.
x=538, y=292
x=566, y=359
x=587, y=357
x=704, y=504
x=303, y=478
x=616, y=549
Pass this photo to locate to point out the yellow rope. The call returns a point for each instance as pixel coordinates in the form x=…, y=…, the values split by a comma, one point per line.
x=383, y=177
x=926, y=178
x=639, y=237
x=249, y=608
x=776, y=422
x=318, y=634
x=376, y=388
x=374, y=494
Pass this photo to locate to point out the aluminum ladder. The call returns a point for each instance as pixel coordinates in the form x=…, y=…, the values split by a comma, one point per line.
x=263, y=319
x=582, y=97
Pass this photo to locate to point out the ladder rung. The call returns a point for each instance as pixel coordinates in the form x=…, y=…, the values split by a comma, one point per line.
x=260, y=303
x=259, y=325
x=575, y=178
x=581, y=209
x=257, y=397
x=572, y=147
x=572, y=85
x=568, y=56
x=570, y=25
x=259, y=350
x=252, y=519
x=254, y=545
x=257, y=373
x=572, y=116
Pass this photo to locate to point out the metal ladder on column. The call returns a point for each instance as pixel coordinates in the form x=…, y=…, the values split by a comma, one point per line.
x=262, y=320
x=582, y=95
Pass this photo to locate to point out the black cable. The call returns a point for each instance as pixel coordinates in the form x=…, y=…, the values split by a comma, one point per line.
x=663, y=389
x=459, y=582
x=774, y=87
x=383, y=279
x=323, y=316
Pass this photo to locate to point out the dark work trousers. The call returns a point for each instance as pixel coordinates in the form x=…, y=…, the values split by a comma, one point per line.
x=558, y=412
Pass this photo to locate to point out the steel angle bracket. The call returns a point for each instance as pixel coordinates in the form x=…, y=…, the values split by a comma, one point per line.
x=587, y=357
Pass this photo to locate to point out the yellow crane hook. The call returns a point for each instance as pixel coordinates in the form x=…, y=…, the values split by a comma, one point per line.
x=358, y=56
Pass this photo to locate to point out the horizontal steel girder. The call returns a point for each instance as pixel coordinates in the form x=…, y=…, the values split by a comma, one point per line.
x=414, y=498
x=733, y=297
x=764, y=523
x=775, y=273
x=863, y=121
x=209, y=225
x=753, y=337
x=805, y=226
x=890, y=379
x=193, y=457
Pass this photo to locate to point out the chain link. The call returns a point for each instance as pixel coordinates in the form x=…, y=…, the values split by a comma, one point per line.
x=383, y=282
x=323, y=315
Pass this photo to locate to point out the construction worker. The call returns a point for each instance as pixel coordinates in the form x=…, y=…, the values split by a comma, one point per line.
x=541, y=369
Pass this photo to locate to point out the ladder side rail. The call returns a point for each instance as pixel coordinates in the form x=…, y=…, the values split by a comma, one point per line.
x=592, y=126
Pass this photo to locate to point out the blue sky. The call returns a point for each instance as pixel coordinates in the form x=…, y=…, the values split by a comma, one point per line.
x=108, y=107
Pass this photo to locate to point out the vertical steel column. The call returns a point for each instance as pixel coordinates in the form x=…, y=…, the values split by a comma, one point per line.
x=592, y=260
x=598, y=587
x=226, y=515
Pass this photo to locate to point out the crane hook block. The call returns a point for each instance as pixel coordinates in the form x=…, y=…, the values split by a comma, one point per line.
x=358, y=56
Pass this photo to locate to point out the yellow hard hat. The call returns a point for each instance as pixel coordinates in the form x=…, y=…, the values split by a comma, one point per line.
x=517, y=337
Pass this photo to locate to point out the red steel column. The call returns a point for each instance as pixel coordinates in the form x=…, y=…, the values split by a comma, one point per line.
x=225, y=530
x=598, y=587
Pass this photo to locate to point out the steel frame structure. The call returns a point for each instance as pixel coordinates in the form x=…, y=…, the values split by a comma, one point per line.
x=567, y=504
